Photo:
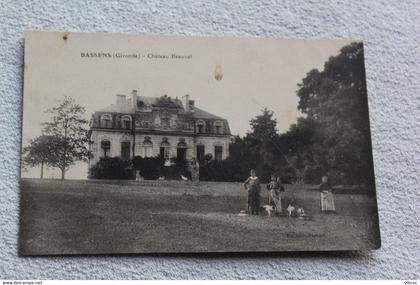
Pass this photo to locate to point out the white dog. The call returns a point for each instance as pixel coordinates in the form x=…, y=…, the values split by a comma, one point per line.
x=290, y=210
x=269, y=209
x=300, y=212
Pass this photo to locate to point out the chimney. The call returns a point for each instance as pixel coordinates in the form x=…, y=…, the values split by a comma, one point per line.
x=186, y=102
x=192, y=105
x=120, y=100
x=134, y=99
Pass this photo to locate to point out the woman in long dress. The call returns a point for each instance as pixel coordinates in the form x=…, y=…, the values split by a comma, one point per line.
x=274, y=197
x=327, y=198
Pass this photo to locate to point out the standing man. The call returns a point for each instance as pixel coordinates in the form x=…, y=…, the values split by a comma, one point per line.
x=253, y=186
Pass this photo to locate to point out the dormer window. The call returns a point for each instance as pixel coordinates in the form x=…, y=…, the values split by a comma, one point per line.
x=126, y=122
x=218, y=127
x=200, y=127
x=106, y=121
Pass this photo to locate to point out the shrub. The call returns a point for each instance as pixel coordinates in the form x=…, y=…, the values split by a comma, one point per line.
x=227, y=170
x=111, y=168
x=150, y=167
x=179, y=166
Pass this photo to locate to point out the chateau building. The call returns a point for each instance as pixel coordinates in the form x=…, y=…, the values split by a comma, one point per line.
x=150, y=126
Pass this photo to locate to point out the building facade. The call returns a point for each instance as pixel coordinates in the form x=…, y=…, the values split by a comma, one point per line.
x=151, y=126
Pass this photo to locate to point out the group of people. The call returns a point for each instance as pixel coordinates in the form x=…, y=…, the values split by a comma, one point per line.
x=253, y=186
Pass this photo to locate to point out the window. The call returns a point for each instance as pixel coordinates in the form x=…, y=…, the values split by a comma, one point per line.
x=125, y=150
x=200, y=127
x=200, y=152
x=106, y=121
x=106, y=148
x=164, y=150
x=147, y=148
x=218, y=127
x=218, y=153
x=181, y=150
x=126, y=122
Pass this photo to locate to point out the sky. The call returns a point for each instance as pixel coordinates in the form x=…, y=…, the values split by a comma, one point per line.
x=257, y=73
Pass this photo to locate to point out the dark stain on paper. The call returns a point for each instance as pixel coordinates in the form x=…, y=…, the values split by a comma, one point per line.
x=218, y=73
x=66, y=36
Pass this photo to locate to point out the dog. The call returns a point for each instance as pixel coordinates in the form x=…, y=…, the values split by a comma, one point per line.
x=290, y=210
x=269, y=209
x=300, y=212
x=243, y=213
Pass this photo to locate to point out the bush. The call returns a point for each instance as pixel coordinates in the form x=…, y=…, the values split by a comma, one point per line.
x=111, y=168
x=150, y=167
x=179, y=166
x=227, y=170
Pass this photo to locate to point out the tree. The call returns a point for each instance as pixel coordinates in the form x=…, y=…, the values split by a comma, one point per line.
x=264, y=146
x=69, y=130
x=263, y=126
x=335, y=102
x=261, y=149
x=39, y=152
x=297, y=144
x=234, y=168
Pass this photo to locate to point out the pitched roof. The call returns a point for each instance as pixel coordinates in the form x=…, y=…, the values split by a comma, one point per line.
x=121, y=108
x=201, y=114
x=147, y=100
x=126, y=107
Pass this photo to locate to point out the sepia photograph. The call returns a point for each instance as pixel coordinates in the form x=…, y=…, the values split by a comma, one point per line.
x=182, y=144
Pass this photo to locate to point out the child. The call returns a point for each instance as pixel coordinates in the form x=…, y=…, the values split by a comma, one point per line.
x=291, y=209
x=274, y=198
x=253, y=186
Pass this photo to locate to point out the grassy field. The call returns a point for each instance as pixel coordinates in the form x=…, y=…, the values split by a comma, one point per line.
x=98, y=217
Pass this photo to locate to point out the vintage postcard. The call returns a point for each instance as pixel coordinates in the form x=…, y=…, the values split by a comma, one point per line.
x=175, y=144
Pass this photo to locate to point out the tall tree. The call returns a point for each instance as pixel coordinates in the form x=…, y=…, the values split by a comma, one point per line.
x=262, y=143
x=335, y=99
x=69, y=129
x=264, y=126
x=39, y=152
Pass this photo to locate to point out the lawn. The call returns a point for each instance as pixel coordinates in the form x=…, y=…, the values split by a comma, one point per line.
x=97, y=217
